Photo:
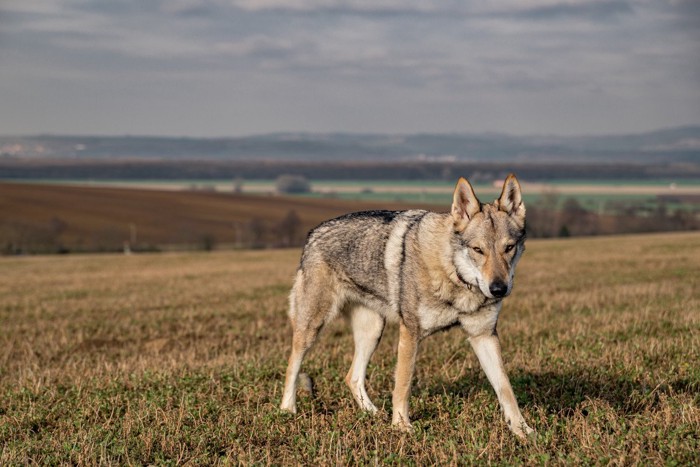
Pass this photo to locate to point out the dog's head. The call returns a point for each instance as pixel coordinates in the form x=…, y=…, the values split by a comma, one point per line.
x=488, y=239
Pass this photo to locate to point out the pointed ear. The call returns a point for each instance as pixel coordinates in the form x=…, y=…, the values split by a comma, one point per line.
x=511, y=200
x=464, y=204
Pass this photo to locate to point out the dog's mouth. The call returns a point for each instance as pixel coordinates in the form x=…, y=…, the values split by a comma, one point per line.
x=475, y=287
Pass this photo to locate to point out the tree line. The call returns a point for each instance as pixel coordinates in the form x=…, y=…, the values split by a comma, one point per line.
x=353, y=170
x=549, y=217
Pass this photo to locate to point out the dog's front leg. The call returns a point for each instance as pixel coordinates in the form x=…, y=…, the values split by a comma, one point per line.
x=408, y=348
x=488, y=351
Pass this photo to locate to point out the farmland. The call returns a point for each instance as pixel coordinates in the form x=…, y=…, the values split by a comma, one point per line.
x=179, y=358
x=413, y=190
x=48, y=217
x=204, y=215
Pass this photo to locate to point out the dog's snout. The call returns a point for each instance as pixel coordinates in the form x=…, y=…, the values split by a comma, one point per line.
x=498, y=289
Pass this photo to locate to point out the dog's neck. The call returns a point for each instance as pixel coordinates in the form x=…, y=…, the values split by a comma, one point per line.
x=464, y=282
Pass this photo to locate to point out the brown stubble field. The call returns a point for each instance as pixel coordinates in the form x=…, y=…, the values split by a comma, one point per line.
x=179, y=359
x=102, y=218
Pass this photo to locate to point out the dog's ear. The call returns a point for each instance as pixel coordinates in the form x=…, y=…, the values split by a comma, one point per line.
x=465, y=204
x=511, y=200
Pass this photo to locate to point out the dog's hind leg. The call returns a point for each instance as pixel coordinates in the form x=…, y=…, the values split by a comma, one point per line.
x=367, y=328
x=301, y=343
x=309, y=312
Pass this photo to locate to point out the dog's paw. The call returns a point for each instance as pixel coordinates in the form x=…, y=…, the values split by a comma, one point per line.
x=531, y=435
x=288, y=408
x=524, y=432
x=403, y=425
x=305, y=383
x=367, y=406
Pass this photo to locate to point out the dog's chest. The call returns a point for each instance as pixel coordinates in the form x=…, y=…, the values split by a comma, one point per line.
x=437, y=315
x=433, y=318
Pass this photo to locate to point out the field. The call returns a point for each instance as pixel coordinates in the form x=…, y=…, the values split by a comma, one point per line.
x=424, y=190
x=178, y=358
x=187, y=215
x=50, y=217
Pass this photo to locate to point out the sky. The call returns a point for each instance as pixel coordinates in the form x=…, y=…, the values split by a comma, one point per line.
x=218, y=68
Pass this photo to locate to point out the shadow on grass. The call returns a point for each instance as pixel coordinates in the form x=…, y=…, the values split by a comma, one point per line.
x=564, y=393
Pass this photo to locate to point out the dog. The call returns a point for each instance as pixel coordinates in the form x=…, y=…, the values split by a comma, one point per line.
x=427, y=271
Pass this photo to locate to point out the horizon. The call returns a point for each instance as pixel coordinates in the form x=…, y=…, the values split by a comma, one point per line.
x=689, y=126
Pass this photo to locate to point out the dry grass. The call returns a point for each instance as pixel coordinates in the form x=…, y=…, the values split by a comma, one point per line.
x=179, y=358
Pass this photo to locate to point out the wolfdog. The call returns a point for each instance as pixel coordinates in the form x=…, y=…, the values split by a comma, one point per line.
x=425, y=270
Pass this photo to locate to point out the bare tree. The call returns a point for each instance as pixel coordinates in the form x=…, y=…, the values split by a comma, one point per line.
x=288, y=229
x=256, y=232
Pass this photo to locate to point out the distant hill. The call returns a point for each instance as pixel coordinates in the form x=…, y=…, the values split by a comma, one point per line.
x=669, y=146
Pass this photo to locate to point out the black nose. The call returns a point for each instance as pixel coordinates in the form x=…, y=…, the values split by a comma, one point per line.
x=498, y=289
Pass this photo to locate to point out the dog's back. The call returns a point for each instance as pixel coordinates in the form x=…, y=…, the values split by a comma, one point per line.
x=353, y=247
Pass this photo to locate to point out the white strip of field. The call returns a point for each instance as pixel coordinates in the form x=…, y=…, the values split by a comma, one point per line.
x=351, y=187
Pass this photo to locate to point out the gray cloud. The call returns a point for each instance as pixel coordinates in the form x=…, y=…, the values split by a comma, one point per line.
x=595, y=11
x=216, y=67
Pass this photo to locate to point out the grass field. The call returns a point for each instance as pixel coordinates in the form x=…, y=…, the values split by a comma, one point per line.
x=179, y=359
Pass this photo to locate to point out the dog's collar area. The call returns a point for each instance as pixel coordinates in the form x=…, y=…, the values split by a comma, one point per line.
x=475, y=288
x=490, y=301
x=464, y=282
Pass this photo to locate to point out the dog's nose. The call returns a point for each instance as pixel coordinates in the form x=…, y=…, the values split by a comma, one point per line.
x=498, y=289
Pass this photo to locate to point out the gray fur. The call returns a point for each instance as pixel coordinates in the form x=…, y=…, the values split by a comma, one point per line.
x=425, y=270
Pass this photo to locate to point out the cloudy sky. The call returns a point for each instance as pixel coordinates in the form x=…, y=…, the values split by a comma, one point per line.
x=238, y=67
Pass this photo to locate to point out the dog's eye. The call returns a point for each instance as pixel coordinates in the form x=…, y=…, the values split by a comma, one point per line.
x=509, y=248
x=477, y=250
